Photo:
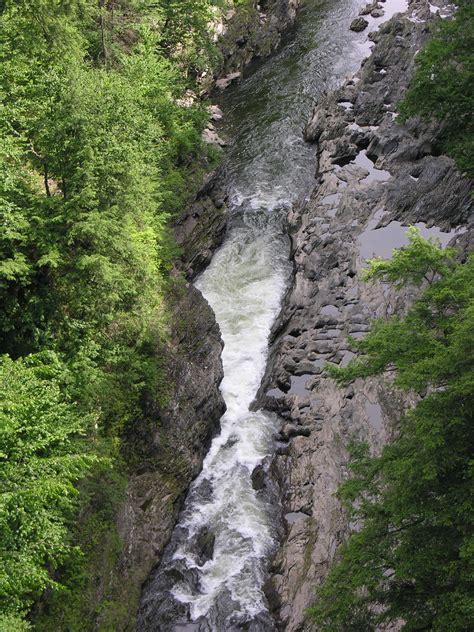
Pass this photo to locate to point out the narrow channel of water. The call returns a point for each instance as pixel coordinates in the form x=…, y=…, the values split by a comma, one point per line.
x=212, y=574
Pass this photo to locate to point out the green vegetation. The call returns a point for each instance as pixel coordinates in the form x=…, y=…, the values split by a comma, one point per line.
x=100, y=147
x=412, y=557
x=42, y=454
x=443, y=86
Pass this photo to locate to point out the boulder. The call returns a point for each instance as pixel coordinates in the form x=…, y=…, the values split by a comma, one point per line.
x=225, y=82
x=258, y=478
x=205, y=541
x=368, y=8
x=378, y=12
x=358, y=25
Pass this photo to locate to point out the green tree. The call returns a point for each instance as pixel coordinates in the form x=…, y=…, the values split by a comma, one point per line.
x=443, y=84
x=98, y=151
x=412, y=559
x=42, y=456
x=96, y=159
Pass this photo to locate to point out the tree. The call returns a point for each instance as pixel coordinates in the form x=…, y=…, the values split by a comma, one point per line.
x=42, y=456
x=443, y=84
x=98, y=152
x=412, y=560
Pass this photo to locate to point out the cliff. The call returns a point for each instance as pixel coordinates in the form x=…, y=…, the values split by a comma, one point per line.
x=165, y=447
x=375, y=176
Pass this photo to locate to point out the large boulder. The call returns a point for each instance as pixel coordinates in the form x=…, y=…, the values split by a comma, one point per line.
x=359, y=24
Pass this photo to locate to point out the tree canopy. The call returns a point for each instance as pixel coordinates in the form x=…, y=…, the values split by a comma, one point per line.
x=98, y=151
x=43, y=453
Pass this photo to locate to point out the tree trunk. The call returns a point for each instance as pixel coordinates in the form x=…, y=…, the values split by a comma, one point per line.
x=46, y=183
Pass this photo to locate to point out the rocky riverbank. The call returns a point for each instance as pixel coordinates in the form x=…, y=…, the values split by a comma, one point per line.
x=375, y=176
x=166, y=447
x=251, y=31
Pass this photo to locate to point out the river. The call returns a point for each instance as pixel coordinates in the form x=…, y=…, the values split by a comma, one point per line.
x=212, y=574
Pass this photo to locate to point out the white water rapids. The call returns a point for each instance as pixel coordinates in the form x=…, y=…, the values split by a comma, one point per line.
x=268, y=168
x=244, y=285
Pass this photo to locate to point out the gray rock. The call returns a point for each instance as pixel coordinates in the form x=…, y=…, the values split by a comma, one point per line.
x=205, y=544
x=377, y=12
x=258, y=478
x=358, y=24
x=225, y=82
x=290, y=430
x=423, y=187
x=371, y=6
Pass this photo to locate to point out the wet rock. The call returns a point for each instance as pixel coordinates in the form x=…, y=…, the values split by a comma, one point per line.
x=251, y=33
x=377, y=12
x=258, y=478
x=205, y=544
x=358, y=24
x=368, y=8
x=201, y=228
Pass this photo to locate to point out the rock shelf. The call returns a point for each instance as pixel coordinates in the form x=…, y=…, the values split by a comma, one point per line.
x=375, y=177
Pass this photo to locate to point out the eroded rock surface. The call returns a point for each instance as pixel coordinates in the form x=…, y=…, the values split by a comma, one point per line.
x=252, y=32
x=165, y=449
x=375, y=177
x=200, y=230
x=359, y=24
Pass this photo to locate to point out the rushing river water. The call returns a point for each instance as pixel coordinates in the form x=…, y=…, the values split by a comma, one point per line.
x=212, y=574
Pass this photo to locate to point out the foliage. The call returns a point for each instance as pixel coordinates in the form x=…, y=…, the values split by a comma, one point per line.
x=76, y=606
x=13, y=623
x=41, y=458
x=99, y=145
x=412, y=560
x=443, y=84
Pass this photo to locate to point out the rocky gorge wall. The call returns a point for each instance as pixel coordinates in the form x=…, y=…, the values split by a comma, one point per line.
x=251, y=30
x=164, y=449
x=372, y=175
x=375, y=176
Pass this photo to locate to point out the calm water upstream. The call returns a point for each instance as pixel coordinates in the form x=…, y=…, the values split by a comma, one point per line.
x=212, y=573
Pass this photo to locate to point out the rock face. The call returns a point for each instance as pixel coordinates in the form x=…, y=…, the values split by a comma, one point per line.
x=201, y=228
x=373, y=175
x=252, y=32
x=166, y=446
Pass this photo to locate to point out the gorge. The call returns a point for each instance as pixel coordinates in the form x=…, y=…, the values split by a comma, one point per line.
x=237, y=284
x=214, y=575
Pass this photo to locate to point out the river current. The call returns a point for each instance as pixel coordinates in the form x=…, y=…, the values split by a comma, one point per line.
x=268, y=168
